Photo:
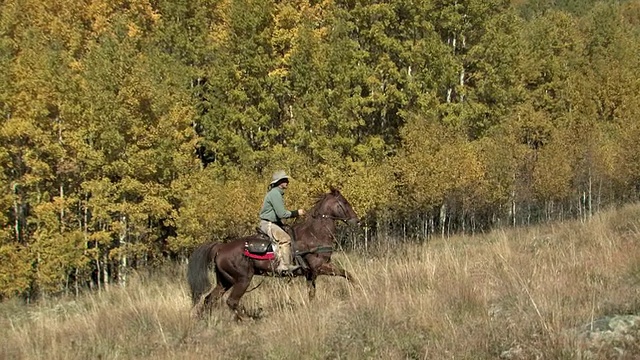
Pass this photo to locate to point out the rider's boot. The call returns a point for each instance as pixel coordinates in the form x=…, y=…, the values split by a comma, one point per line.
x=284, y=254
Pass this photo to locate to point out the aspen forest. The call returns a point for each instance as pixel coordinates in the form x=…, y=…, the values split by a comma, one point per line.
x=132, y=131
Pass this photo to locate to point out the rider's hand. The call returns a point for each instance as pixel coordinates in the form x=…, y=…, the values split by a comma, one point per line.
x=301, y=212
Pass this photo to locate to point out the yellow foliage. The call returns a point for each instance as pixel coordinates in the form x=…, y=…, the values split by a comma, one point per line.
x=15, y=269
x=133, y=30
x=57, y=254
x=553, y=172
x=501, y=156
x=216, y=209
x=424, y=162
x=369, y=187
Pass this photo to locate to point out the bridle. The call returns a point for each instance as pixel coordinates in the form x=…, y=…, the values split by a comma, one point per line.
x=324, y=216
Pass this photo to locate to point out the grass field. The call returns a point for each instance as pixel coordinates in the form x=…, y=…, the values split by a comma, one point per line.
x=512, y=294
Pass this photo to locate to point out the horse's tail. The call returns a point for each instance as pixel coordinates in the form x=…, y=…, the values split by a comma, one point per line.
x=198, y=270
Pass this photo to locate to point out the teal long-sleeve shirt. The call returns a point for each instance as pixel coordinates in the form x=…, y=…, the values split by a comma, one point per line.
x=273, y=208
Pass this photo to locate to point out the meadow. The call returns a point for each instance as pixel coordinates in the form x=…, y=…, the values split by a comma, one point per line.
x=557, y=291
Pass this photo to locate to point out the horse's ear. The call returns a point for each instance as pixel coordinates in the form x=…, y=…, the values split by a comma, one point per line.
x=334, y=191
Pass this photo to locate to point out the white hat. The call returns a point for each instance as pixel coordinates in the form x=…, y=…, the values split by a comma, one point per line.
x=278, y=175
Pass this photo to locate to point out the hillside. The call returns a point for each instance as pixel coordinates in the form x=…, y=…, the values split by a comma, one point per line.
x=566, y=290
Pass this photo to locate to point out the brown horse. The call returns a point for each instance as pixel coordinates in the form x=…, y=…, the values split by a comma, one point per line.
x=234, y=267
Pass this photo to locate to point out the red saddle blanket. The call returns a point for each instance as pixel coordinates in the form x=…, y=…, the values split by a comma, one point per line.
x=259, y=248
x=266, y=256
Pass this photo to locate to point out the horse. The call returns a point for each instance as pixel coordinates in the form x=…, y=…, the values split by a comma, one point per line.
x=234, y=265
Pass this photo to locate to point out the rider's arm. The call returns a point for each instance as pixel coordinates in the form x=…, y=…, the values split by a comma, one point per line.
x=277, y=201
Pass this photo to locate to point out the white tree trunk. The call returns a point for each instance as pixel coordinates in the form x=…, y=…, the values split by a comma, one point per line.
x=59, y=121
x=16, y=211
x=443, y=218
x=425, y=226
x=105, y=271
x=122, y=241
x=61, y=207
x=590, y=195
x=513, y=208
x=366, y=236
x=462, y=83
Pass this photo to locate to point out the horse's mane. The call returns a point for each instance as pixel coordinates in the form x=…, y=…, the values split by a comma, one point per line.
x=316, y=205
x=320, y=198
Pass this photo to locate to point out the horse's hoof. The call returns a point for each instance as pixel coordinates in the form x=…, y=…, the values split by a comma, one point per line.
x=291, y=272
x=241, y=315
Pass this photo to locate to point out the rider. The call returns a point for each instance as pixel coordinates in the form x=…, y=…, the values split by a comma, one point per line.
x=271, y=215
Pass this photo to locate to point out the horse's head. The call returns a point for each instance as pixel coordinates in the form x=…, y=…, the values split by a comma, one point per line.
x=335, y=206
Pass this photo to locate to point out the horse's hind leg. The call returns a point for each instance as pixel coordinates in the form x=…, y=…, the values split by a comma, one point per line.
x=213, y=299
x=201, y=304
x=223, y=285
x=210, y=299
x=233, y=301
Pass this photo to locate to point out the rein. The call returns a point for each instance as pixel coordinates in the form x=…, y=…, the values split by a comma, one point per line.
x=255, y=287
x=317, y=250
x=323, y=216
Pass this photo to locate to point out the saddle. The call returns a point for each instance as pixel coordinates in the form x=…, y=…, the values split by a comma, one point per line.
x=260, y=247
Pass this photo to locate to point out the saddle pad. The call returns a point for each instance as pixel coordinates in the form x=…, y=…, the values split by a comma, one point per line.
x=265, y=256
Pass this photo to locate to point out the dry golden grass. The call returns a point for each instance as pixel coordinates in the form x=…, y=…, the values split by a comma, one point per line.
x=519, y=294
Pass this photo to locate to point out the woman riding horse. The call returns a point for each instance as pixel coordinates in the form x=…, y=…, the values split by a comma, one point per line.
x=271, y=215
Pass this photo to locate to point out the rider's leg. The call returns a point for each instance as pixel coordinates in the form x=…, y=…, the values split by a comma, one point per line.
x=284, y=248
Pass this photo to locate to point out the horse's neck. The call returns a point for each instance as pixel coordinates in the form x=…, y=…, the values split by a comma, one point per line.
x=317, y=230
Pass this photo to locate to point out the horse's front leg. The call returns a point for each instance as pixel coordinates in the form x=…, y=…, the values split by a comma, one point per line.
x=311, y=283
x=333, y=270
